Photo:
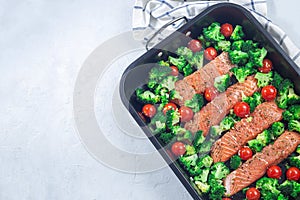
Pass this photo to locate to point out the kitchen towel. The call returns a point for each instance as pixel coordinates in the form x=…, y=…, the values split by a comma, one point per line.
x=150, y=15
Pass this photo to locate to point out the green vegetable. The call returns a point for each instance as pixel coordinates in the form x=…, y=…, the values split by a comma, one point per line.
x=268, y=188
x=237, y=45
x=287, y=94
x=217, y=190
x=237, y=33
x=196, y=103
x=203, y=175
x=277, y=80
x=205, y=161
x=215, y=131
x=188, y=161
x=187, y=70
x=277, y=129
x=174, y=95
x=204, y=41
x=241, y=73
x=257, y=56
x=173, y=118
x=177, y=130
x=295, y=161
x=293, y=112
x=298, y=149
x=205, y=147
x=169, y=82
x=253, y=100
x=282, y=197
x=238, y=57
x=235, y=162
x=190, y=150
x=222, y=82
x=294, y=125
x=262, y=139
x=213, y=33
x=163, y=63
x=223, y=45
x=219, y=171
x=166, y=137
x=180, y=62
x=290, y=188
x=157, y=73
x=226, y=124
x=263, y=79
x=186, y=136
x=199, y=139
x=249, y=45
x=203, y=187
x=197, y=60
x=146, y=96
x=185, y=52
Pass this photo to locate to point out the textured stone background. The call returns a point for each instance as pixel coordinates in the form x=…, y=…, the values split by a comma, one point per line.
x=43, y=45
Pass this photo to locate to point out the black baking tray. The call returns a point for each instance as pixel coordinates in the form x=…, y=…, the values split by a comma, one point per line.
x=136, y=74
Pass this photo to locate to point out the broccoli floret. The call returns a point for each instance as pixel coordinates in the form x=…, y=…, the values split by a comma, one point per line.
x=296, y=189
x=157, y=73
x=268, y=188
x=205, y=147
x=293, y=112
x=173, y=118
x=253, y=101
x=163, y=63
x=197, y=60
x=166, y=137
x=178, y=130
x=227, y=123
x=203, y=187
x=185, y=52
x=277, y=80
x=263, y=79
x=292, y=98
x=146, y=96
x=180, y=62
x=159, y=127
x=190, y=150
x=290, y=188
x=257, y=56
x=237, y=33
x=215, y=131
x=294, y=125
x=238, y=57
x=223, y=45
x=277, y=128
x=237, y=45
x=298, y=149
x=187, y=70
x=255, y=145
x=205, y=161
x=241, y=73
x=249, y=45
x=213, y=33
x=222, y=82
x=203, y=176
x=235, y=162
x=217, y=190
x=261, y=141
x=287, y=94
x=187, y=136
x=174, y=95
x=219, y=171
x=204, y=41
x=169, y=82
x=295, y=161
x=282, y=197
x=188, y=161
x=196, y=103
x=199, y=139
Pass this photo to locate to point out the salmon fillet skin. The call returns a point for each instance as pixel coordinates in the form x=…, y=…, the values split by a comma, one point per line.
x=262, y=118
x=213, y=113
x=256, y=167
x=203, y=78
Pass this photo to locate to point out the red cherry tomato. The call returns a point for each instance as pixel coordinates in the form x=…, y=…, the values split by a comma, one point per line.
x=186, y=113
x=241, y=109
x=226, y=29
x=269, y=92
x=210, y=93
x=267, y=66
x=253, y=194
x=178, y=148
x=245, y=153
x=293, y=174
x=169, y=106
x=210, y=53
x=174, y=71
x=149, y=110
x=274, y=172
x=195, y=45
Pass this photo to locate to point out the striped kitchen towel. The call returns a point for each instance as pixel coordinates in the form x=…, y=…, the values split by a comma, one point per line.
x=150, y=15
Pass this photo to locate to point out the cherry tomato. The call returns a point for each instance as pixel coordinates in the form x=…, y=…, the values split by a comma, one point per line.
x=241, y=109
x=186, y=113
x=274, y=172
x=267, y=66
x=195, y=45
x=269, y=92
x=178, y=148
x=169, y=106
x=245, y=153
x=149, y=110
x=253, y=194
x=226, y=29
x=210, y=93
x=293, y=173
x=210, y=53
x=174, y=71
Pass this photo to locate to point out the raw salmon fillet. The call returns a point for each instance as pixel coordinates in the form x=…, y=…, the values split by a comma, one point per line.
x=213, y=113
x=203, y=78
x=256, y=167
x=263, y=116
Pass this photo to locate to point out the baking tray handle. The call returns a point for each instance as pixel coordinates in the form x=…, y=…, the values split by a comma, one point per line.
x=163, y=27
